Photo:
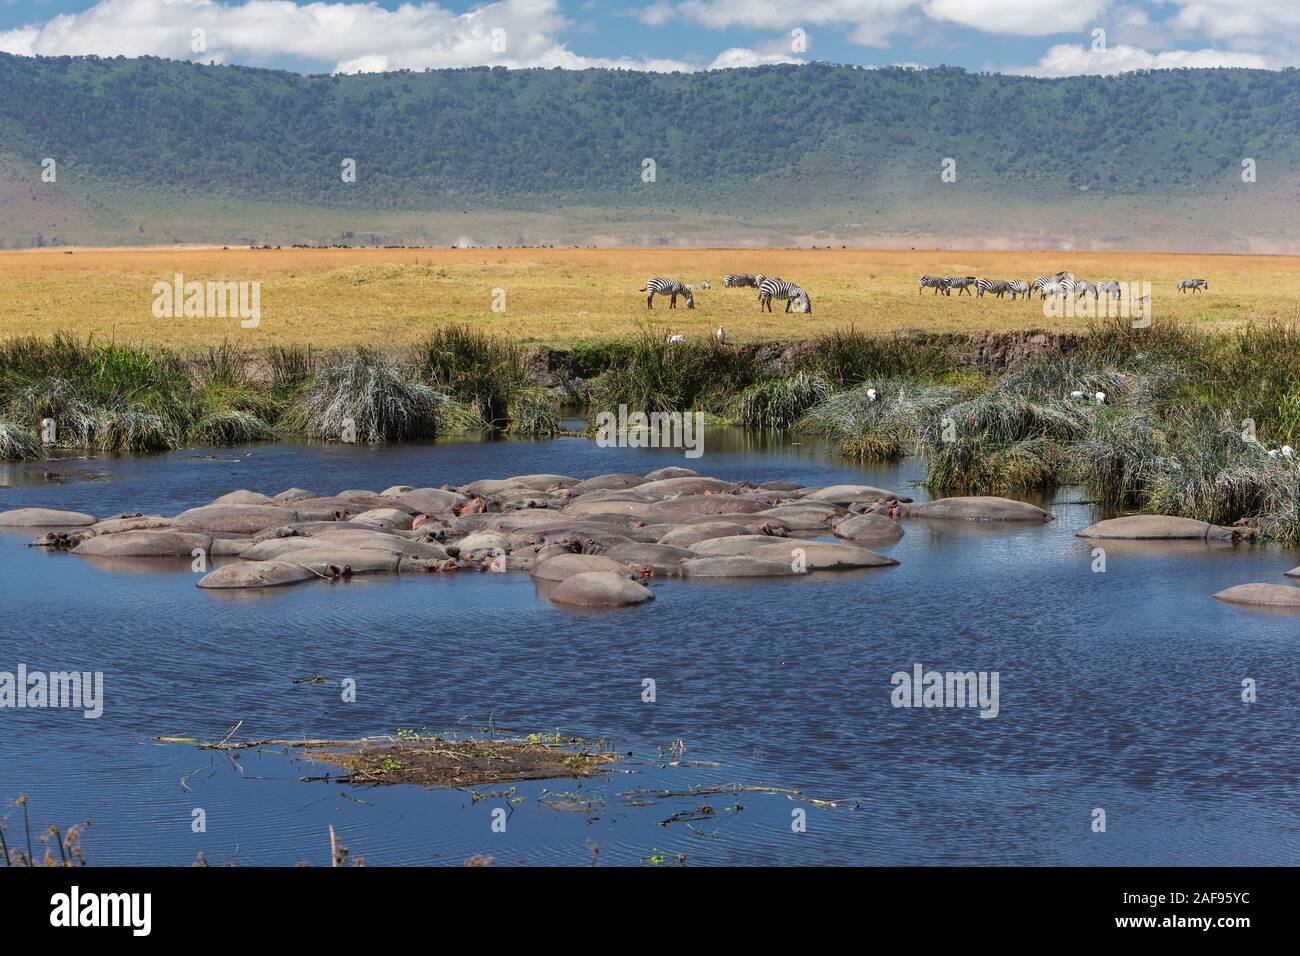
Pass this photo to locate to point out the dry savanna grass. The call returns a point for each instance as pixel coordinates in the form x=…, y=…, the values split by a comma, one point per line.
x=392, y=297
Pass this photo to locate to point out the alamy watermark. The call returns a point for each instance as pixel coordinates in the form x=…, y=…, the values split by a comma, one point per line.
x=214, y=300
x=82, y=690
x=922, y=688
x=655, y=430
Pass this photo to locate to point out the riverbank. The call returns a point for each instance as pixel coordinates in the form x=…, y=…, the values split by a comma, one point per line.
x=1160, y=419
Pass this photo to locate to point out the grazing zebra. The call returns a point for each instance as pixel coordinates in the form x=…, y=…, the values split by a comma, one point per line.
x=937, y=283
x=779, y=289
x=1196, y=285
x=999, y=287
x=742, y=280
x=1084, y=287
x=1110, y=287
x=1062, y=282
x=1056, y=287
x=669, y=287
x=1020, y=287
x=960, y=283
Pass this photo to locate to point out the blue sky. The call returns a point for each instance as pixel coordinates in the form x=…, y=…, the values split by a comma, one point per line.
x=1042, y=37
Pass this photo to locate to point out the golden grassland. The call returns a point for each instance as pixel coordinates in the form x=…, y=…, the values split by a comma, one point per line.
x=391, y=297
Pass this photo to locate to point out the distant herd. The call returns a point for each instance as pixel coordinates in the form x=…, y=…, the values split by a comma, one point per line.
x=1059, y=284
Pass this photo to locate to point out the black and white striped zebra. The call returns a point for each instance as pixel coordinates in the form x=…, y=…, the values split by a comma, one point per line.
x=669, y=287
x=937, y=283
x=1109, y=287
x=1062, y=284
x=1196, y=285
x=1020, y=287
x=1083, y=287
x=960, y=283
x=997, y=287
x=741, y=281
x=771, y=289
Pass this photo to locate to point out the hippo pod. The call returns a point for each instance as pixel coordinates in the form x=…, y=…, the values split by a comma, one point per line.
x=975, y=508
x=1161, y=528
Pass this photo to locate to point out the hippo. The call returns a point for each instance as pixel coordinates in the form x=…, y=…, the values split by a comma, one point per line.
x=1160, y=528
x=822, y=555
x=976, y=508
x=563, y=566
x=44, y=518
x=255, y=574
x=736, y=566
x=877, y=528
x=599, y=589
x=1262, y=595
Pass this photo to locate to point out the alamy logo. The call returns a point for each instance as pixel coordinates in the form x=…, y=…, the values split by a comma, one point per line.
x=103, y=909
x=72, y=689
x=922, y=688
x=212, y=300
x=656, y=430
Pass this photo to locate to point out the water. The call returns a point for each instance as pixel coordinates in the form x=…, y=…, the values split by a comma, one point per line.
x=1118, y=690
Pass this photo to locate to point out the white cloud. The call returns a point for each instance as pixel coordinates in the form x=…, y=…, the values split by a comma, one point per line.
x=1069, y=60
x=353, y=36
x=1032, y=18
x=739, y=57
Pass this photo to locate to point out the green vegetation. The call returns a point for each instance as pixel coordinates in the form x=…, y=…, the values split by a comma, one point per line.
x=485, y=139
x=1190, y=424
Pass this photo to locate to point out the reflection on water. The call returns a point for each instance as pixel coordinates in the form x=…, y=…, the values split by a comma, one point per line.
x=1119, y=690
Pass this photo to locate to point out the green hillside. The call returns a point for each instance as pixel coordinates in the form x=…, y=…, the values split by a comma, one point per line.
x=735, y=143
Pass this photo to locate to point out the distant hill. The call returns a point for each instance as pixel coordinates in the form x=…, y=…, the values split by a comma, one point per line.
x=152, y=150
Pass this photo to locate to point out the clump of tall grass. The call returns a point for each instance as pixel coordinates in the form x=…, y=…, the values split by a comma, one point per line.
x=18, y=443
x=533, y=413
x=1217, y=472
x=1123, y=453
x=130, y=429
x=1000, y=442
x=57, y=400
x=366, y=398
x=661, y=376
x=481, y=371
x=229, y=427
x=847, y=357
x=779, y=402
x=883, y=428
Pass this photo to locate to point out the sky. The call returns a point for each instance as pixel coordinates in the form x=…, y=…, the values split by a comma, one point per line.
x=1034, y=37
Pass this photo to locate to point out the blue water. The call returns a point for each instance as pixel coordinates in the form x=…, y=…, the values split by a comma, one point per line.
x=1118, y=690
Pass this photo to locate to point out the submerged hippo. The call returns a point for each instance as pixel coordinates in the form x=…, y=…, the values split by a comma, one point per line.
x=1161, y=528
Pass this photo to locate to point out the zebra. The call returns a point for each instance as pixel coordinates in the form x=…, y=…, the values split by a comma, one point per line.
x=936, y=283
x=779, y=289
x=1196, y=285
x=1110, y=287
x=1084, y=287
x=960, y=283
x=999, y=287
x=1056, y=287
x=669, y=287
x=1063, y=281
x=1019, y=287
x=742, y=280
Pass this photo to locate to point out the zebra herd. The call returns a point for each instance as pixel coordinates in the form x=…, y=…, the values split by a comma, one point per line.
x=769, y=288
x=1060, y=284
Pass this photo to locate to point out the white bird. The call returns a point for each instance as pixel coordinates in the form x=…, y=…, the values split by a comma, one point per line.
x=1101, y=398
x=872, y=394
x=1288, y=451
x=721, y=334
x=1272, y=453
x=672, y=339
x=1076, y=394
